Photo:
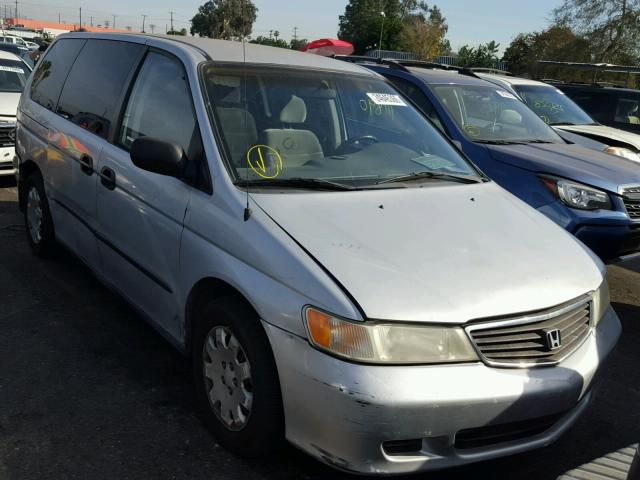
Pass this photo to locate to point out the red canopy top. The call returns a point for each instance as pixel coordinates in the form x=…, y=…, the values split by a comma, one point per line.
x=329, y=46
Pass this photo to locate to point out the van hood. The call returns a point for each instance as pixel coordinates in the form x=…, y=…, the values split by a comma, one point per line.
x=605, y=134
x=444, y=254
x=572, y=162
x=8, y=105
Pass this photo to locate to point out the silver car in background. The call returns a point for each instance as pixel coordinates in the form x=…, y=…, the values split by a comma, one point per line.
x=339, y=273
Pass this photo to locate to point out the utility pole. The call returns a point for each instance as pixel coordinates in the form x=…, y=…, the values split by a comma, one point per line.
x=295, y=33
x=59, y=18
x=80, y=18
x=381, y=29
x=17, y=10
x=171, y=13
x=144, y=17
x=114, y=21
x=152, y=27
x=91, y=20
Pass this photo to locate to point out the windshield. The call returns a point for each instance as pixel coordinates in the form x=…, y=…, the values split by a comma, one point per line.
x=490, y=114
x=353, y=130
x=13, y=76
x=552, y=105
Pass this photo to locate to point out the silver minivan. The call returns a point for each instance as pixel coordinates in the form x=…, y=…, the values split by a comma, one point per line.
x=339, y=273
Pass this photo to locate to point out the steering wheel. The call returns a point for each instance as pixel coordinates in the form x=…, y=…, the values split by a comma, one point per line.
x=362, y=141
x=356, y=143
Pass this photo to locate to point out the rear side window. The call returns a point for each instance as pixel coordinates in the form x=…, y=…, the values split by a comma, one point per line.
x=160, y=106
x=627, y=111
x=52, y=72
x=93, y=88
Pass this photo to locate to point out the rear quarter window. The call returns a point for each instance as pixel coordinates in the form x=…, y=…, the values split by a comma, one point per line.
x=52, y=72
x=95, y=83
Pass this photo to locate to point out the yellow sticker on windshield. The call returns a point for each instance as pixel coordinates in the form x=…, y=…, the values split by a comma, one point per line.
x=265, y=161
x=472, y=130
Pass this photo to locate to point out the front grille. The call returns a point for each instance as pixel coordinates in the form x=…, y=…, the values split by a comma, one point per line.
x=543, y=338
x=507, y=432
x=631, y=198
x=7, y=137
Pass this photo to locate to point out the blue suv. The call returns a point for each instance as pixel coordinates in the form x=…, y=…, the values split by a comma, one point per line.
x=593, y=195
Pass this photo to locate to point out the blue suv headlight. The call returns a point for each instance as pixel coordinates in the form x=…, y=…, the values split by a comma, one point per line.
x=577, y=195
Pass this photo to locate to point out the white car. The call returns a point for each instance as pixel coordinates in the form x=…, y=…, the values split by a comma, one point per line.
x=13, y=77
x=31, y=45
x=563, y=114
x=13, y=39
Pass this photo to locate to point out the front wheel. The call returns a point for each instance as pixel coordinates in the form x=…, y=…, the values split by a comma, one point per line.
x=37, y=217
x=236, y=379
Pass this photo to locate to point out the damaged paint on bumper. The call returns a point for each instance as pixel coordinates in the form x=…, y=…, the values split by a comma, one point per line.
x=342, y=413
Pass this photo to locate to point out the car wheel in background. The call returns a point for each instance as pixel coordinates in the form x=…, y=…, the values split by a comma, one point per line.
x=37, y=217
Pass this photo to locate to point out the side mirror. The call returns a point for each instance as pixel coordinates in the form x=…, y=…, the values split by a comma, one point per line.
x=159, y=156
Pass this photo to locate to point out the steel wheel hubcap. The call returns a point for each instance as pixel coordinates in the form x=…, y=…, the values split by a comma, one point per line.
x=34, y=214
x=227, y=378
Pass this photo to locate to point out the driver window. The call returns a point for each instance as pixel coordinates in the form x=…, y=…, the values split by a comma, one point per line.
x=160, y=106
x=420, y=99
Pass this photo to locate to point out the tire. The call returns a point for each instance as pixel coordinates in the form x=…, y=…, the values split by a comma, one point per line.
x=37, y=217
x=254, y=432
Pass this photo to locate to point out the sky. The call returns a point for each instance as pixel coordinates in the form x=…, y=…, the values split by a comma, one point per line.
x=470, y=21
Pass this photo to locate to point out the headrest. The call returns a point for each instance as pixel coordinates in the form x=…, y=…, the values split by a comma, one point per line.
x=294, y=112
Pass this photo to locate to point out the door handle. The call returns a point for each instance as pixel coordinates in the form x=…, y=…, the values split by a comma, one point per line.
x=86, y=164
x=108, y=178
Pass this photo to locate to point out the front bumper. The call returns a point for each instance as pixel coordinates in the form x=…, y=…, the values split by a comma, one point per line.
x=342, y=413
x=7, y=165
x=609, y=233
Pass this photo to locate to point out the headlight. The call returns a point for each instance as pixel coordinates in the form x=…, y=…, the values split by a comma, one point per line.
x=601, y=302
x=623, y=152
x=576, y=195
x=374, y=342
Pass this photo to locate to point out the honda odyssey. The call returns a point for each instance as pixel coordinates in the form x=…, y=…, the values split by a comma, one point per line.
x=339, y=273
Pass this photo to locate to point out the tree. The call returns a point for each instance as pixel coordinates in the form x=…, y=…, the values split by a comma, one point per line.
x=225, y=19
x=182, y=32
x=298, y=43
x=409, y=25
x=611, y=26
x=424, y=32
x=272, y=42
x=484, y=55
x=519, y=55
x=363, y=20
x=555, y=43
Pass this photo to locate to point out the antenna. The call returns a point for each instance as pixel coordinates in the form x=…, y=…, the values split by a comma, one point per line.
x=247, y=210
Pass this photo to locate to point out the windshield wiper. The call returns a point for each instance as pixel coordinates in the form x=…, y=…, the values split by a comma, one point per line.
x=435, y=175
x=536, y=141
x=561, y=124
x=500, y=142
x=296, y=182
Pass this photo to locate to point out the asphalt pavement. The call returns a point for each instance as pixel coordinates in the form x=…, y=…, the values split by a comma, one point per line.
x=89, y=391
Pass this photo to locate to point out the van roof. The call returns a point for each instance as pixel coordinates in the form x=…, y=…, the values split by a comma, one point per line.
x=230, y=51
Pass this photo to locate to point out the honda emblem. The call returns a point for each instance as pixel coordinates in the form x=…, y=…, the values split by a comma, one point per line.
x=553, y=339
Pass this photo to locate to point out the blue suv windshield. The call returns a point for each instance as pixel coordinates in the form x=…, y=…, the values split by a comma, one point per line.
x=321, y=127
x=490, y=114
x=552, y=105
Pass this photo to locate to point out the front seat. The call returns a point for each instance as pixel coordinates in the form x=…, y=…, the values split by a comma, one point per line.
x=296, y=146
x=238, y=125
